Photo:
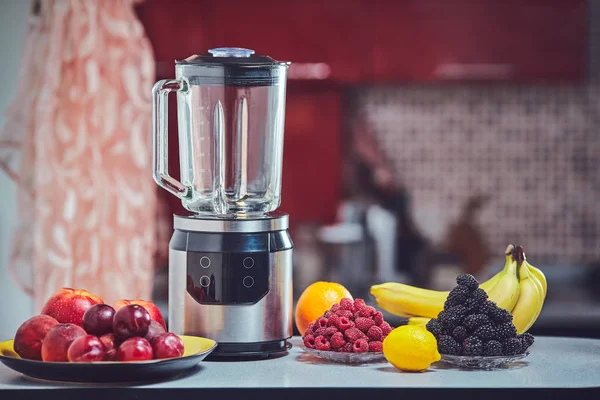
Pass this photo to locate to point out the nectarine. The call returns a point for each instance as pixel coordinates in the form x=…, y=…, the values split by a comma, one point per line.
x=68, y=305
x=57, y=341
x=31, y=334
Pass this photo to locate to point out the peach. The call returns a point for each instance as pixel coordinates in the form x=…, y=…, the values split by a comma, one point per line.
x=86, y=348
x=68, y=305
x=155, y=313
x=31, y=334
x=57, y=341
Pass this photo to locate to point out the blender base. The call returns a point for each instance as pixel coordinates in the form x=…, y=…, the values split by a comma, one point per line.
x=249, y=350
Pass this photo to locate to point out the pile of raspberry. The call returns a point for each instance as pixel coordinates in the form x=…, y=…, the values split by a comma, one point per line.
x=348, y=327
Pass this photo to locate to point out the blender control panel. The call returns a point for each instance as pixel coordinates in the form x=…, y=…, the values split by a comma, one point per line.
x=227, y=278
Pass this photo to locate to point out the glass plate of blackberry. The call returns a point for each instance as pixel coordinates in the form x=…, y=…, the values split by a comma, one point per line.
x=346, y=358
x=482, y=362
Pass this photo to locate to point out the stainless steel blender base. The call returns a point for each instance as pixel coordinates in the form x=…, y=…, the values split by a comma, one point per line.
x=233, y=287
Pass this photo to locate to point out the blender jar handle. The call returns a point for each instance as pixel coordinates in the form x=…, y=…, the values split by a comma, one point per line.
x=160, y=142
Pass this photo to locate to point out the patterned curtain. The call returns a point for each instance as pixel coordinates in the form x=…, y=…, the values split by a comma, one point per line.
x=77, y=141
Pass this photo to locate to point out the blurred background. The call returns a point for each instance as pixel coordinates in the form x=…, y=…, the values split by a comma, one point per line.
x=422, y=137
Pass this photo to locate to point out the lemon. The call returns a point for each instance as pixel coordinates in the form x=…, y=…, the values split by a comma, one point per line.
x=411, y=348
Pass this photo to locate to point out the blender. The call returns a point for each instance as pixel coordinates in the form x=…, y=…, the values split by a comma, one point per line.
x=230, y=257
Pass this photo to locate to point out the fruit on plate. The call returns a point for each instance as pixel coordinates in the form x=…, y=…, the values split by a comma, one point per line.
x=167, y=345
x=472, y=325
x=155, y=329
x=110, y=342
x=348, y=327
x=98, y=319
x=57, y=341
x=315, y=300
x=154, y=311
x=523, y=295
x=131, y=321
x=411, y=348
x=86, y=348
x=30, y=336
x=409, y=301
x=68, y=305
x=135, y=349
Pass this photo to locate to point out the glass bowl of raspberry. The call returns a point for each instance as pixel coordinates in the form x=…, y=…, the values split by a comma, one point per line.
x=351, y=332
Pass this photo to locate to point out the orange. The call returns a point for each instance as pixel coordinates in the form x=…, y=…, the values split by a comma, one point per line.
x=315, y=300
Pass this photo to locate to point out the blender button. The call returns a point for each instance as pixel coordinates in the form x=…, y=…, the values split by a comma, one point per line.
x=248, y=262
x=204, y=281
x=205, y=262
x=248, y=281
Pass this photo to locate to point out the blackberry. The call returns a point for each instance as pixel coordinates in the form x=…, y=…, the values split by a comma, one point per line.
x=485, y=332
x=467, y=281
x=493, y=348
x=487, y=307
x=452, y=317
x=527, y=339
x=501, y=315
x=472, y=346
x=479, y=295
x=457, y=296
x=447, y=345
x=459, y=333
x=435, y=327
x=506, y=331
x=513, y=346
x=474, y=321
x=472, y=304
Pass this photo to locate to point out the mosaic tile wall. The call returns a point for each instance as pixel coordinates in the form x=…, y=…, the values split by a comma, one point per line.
x=534, y=150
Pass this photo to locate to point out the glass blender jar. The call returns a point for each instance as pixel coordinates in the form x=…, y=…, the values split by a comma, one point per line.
x=231, y=112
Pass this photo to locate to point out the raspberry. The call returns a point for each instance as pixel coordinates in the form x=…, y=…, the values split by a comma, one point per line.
x=347, y=304
x=347, y=348
x=334, y=308
x=385, y=328
x=337, y=340
x=309, y=341
x=332, y=321
x=353, y=334
x=345, y=313
x=364, y=324
x=360, y=346
x=375, y=346
x=367, y=311
x=327, y=314
x=344, y=323
x=378, y=318
x=375, y=333
x=359, y=304
x=311, y=327
x=330, y=330
x=322, y=322
x=321, y=343
x=319, y=332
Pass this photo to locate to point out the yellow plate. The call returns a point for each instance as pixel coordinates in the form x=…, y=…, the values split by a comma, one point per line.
x=195, y=350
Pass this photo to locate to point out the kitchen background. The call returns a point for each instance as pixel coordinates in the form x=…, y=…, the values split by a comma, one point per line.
x=422, y=137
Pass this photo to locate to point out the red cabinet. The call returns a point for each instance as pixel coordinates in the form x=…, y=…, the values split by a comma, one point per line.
x=511, y=40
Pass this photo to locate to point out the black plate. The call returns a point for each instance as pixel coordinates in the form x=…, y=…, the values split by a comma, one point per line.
x=196, y=349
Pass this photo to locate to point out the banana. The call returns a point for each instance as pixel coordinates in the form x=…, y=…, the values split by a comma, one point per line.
x=506, y=292
x=405, y=300
x=539, y=275
x=530, y=301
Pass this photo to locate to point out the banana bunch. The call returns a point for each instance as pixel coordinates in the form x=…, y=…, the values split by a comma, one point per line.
x=523, y=296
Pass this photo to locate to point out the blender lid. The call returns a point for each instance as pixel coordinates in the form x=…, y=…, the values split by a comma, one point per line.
x=232, y=66
x=231, y=56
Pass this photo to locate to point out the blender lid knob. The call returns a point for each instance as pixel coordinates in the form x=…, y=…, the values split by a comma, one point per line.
x=231, y=52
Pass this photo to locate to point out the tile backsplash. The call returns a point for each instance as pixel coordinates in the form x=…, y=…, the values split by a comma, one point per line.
x=535, y=150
